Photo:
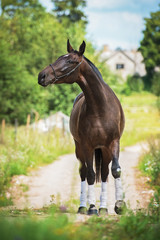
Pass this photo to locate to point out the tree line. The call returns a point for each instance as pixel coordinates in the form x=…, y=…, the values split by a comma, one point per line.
x=150, y=49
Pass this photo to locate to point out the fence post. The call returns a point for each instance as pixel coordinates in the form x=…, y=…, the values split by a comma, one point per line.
x=2, y=130
x=36, y=117
x=63, y=126
x=28, y=122
x=15, y=129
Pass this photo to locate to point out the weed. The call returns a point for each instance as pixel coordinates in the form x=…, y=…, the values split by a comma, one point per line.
x=150, y=162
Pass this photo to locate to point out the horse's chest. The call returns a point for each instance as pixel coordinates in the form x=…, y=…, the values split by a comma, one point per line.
x=92, y=128
x=96, y=129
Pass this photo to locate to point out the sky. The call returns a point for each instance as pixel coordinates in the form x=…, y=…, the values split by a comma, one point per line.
x=116, y=23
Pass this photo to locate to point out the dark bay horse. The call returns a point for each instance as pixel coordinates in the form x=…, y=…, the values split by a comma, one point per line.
x=96, y=123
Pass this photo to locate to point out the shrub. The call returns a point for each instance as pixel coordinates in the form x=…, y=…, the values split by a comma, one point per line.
x=156, y=84
x=150, y=162
x=135, y=83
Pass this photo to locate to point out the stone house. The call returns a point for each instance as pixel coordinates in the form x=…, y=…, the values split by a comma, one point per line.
x=124, y=62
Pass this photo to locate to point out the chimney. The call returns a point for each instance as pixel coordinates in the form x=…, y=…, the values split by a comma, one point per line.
x=105, y=48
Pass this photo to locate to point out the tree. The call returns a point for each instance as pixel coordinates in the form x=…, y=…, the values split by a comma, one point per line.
x=11, y=6
x=150, y=44
x=19, y=94
x=70, y=10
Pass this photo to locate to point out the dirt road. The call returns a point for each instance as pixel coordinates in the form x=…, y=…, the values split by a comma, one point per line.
x=60, y=181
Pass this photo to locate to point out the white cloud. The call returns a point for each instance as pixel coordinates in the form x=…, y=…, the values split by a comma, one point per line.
x=100, y=4
x=115, y=28
x=47, y=3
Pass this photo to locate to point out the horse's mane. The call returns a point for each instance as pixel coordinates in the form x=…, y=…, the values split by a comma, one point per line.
x=95, y=69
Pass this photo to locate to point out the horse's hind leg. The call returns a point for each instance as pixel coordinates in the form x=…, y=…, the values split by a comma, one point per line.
x=116, y=172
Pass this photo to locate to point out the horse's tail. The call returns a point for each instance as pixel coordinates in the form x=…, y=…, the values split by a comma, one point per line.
x=98, y=160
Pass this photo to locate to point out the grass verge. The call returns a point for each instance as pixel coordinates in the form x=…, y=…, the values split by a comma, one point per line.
x=27, y=151
x=134, y=225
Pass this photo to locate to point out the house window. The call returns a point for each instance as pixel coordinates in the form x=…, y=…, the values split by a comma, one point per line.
x=119, y=66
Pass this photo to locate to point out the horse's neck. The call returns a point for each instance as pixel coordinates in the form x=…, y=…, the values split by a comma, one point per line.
x=94, y=90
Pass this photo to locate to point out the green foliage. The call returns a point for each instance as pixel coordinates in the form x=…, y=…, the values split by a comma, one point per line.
x=150, y=44
x=150, y=162
x=55, y=227
x=70, y=11
x=156, y=87
x=156, y=84
x=135, y=83
x=19, y=95
x=139, y=225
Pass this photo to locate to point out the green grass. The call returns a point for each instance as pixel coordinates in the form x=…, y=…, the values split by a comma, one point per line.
x=139, y=225
x=149, y=163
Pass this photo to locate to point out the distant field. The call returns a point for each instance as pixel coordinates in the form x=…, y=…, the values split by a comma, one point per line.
x=142, y=118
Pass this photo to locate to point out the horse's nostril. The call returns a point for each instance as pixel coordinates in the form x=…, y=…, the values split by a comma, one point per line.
x=43, y=75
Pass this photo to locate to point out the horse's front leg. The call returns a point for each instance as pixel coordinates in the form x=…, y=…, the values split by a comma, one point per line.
x=85, y=155
x=83, y=196
x=83, y=174
x=116, y=172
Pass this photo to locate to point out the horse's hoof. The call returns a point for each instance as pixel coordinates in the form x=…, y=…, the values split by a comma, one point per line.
x=82, y=210
x=120, y=207
x=103, y=211
x=92, y=210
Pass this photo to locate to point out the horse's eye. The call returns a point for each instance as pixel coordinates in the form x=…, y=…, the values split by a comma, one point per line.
x=70, y=61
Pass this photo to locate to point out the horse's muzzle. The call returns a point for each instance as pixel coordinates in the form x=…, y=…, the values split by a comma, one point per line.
x=41, y=79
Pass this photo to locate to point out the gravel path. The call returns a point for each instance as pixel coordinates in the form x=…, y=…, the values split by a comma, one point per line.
x=60, y=181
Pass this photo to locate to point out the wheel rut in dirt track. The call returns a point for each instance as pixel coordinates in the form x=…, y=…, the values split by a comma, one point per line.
x=60, y=180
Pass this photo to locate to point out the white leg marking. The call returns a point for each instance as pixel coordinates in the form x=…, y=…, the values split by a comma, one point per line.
x=103, y=196
x=91, y=195
x=83, y=194
x=118, y=189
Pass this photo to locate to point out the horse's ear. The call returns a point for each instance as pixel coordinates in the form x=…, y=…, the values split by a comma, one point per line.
x=82, y=48
x=69, y=47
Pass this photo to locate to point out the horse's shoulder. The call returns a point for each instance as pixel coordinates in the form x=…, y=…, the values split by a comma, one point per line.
x=79, y=96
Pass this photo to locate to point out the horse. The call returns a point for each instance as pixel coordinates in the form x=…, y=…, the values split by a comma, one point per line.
x=96, y=124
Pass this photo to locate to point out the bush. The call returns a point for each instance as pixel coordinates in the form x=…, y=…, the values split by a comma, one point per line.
x=156, y=87
x=135, y=83
x=156, y=84
x=150, y=162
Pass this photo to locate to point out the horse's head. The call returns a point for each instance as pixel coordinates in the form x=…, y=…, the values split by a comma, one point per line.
x=65, y=69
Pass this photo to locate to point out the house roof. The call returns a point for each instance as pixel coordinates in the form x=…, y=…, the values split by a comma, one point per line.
x=119, y=51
